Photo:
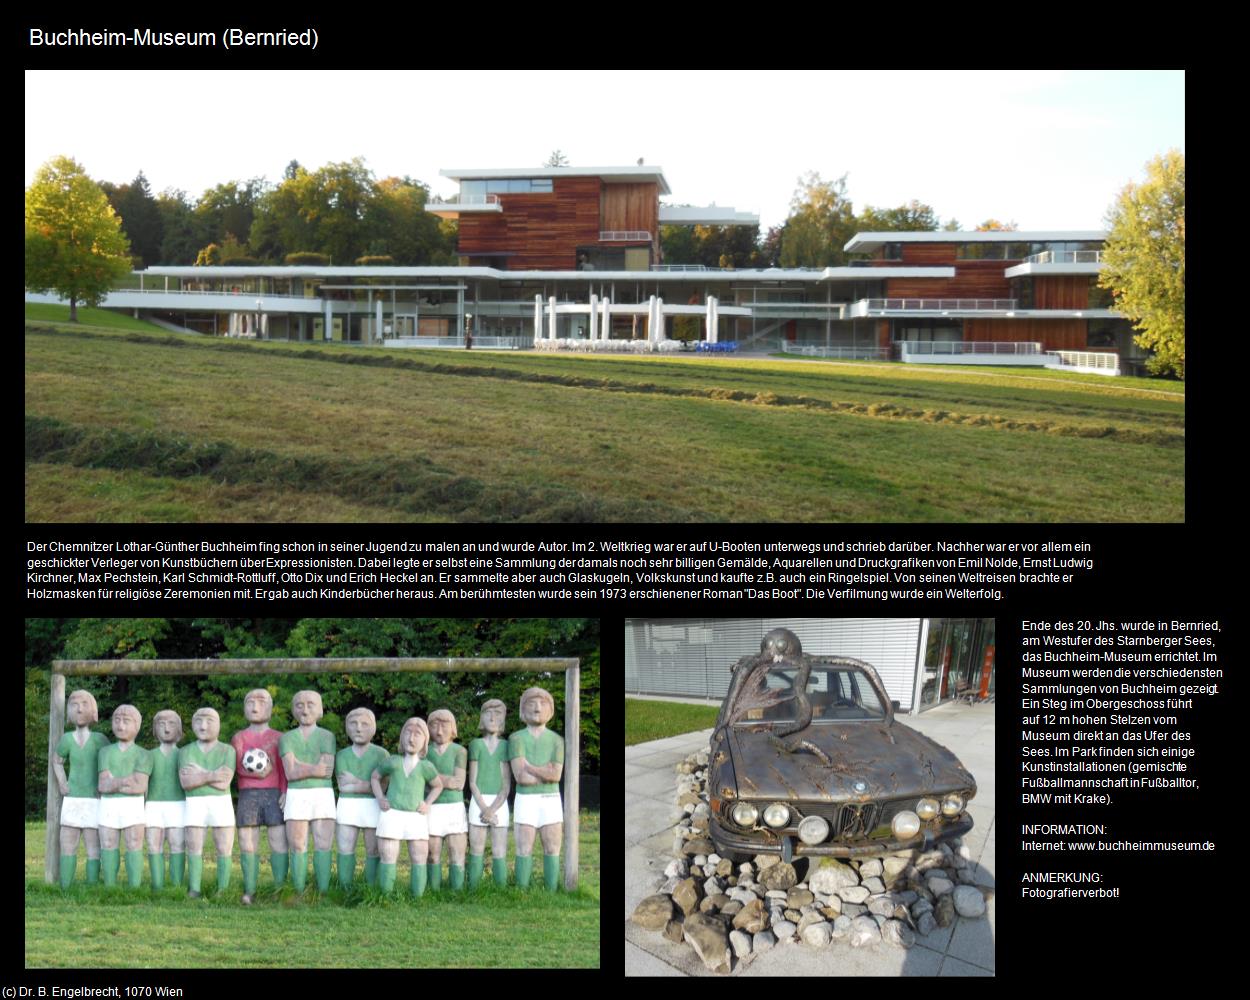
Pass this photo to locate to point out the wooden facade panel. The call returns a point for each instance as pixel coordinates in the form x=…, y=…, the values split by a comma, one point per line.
x=931, y=254
x=1061, y=292
x=1054, y=334
x=537, y=231
x=630, y=207
x=974, y=279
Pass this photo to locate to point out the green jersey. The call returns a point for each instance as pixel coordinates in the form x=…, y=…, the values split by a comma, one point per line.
x=489, y=781
x=221, y=755
x=308, y=751
x=545, y=749
x=446, y=763
x=84, y=772
x=123, y=763
x=361, y=767
x=406, y=791
x=163, y=785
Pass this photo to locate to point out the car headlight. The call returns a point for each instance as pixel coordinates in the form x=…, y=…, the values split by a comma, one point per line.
x=813, y=830
x=952, y=805
x=776, y=815
x=906, y=824
x=927, y=809
x=745, y=814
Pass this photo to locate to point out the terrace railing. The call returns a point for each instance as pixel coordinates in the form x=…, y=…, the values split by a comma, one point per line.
x=1098, y=361
x=814, y=351
x=939, y=305
x=936, y=347
x=1066, y=257
x=624, y=235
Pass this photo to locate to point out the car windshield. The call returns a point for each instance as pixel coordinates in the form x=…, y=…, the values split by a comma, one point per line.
x=836, y=694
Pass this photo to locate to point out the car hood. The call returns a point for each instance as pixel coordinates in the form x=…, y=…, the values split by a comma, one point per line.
x=891, y=760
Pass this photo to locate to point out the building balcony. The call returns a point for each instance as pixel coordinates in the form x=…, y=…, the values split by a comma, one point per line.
x=1051, y=262
x=624, y=236
x=453, y=209
x=928, y=307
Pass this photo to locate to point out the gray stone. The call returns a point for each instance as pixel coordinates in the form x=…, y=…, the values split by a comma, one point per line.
x=881, y=904
x=871, y=867
x=762, y=942
x=706, y=905
x=854, y=909
x=967, y=876
x=673, y=931
x=853, y=894
x=944, y=910
x=784, y=929
x=925, y=924
x=668, y=887
x=921, y=906
x=709, y=939
x=930, y=859
x=832, y=903
x=809, y=919
x=893, y=868
x=688, y=799
x=742, y=895
x=687, y=895
x=763, y=861
x=698, y=846
x=730, y=908
x=746, y=868
x=842, y=926
x=897, y=933
x=778, y=876
x=874, y=884
x=794, y=915
x=752, y=917
x=831, y=876
x=724, y=867
x=777, y=894
x=798, y=897
x=713, y=886
x=818, y=935
x=741, y=942
x=700, y=860
x=653, y=912
x=907, y=896
x=969, y=902
x=940, y=886
x=678, y=868
x=713, y=859
x=864, y=931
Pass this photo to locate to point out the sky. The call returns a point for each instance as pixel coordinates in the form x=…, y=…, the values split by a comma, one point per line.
x=1045, y=149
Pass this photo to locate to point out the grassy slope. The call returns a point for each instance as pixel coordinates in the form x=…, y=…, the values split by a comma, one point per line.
x=653, y=720
x=186, y=428
x=106, y=319
x=94, y=927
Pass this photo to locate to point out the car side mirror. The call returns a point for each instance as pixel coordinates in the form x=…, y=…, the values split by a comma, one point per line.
x=895, y=704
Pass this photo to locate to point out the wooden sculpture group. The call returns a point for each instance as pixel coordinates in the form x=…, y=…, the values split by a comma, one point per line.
x=117, y=791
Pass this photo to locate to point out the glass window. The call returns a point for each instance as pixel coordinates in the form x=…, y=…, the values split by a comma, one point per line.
x=893, y=251
x=834, y=694
x=472, y=191
x=541, y=184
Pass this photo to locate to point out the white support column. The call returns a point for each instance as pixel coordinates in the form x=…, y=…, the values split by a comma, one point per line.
x=377, y=333
x=652, y=322
x=659, y=314
x=551, y=318
x=715, y=319
x=329, y=322
x=594, y=316
x=605, y=323
x=710, y=333
x=538, y=319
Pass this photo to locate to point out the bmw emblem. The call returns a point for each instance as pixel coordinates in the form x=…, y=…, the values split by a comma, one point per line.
x=860, y=787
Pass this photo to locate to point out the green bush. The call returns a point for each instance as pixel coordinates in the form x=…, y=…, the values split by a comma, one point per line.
x=307, y=258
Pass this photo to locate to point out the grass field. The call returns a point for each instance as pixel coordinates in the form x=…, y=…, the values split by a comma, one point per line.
x=93, y=927
x=132, y=426
x=653, y=720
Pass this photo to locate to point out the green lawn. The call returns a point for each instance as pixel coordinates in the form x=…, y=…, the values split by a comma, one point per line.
x=93, y=927
x=653, y=720
x=168, y=427
x=107, y=319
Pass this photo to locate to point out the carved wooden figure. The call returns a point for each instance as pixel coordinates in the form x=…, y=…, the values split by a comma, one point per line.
x=308, y=756
x=413, y=785
x=165, y=806
x=123, y=782
x=206, y=768
x=262, y=792
x=80, y=805
x=447, y=815
x=357, y=809
x=490, y=780
x=537, y=757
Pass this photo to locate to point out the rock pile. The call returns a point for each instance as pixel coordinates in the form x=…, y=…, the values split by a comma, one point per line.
x=728, y=911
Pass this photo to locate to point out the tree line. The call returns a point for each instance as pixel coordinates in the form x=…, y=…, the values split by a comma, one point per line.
x=393, y=697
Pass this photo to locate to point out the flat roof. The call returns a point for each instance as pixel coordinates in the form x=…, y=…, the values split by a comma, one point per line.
x=633, y=174
x=871, y=241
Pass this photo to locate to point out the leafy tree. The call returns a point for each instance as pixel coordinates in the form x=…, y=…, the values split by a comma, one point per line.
x=398, y=225
x=181, y=235
x=141, y=218
x=557, y=159
x=1144, y=260
x=209, y=256
x=74, y=242
x=229, y=208
x=914, y=216
x=821, y=222
x=993, y=226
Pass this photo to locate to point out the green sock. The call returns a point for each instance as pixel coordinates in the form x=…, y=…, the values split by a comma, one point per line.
x=455, y=875
x=299, y=869
x=156, y=868
x=110, y=861
x=195, y=871
x=434, y=873
x=499, y=868
x=386, y=876
x=371, y=870
x=322, y=863
x=347, y=869
x=93, y=871
x=280, y=861
x=134, y=868
x=176, y=867
x=476, y=863
x=524, y=866
x=223, y=871
x=417, y=880
x=250, y=864
x=68, y=863
x=551, y=871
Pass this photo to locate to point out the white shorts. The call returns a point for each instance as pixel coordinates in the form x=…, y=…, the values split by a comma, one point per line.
x=395, y=824
x=447, y=818
x=121, y=812
x=537, y=810
x=475, y=814
x=357, y=812
x=165, y=814
x=309, y=803
x=208, y=810
x=80, y=812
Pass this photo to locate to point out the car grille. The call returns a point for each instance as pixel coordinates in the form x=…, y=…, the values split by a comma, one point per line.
x=856, y=819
